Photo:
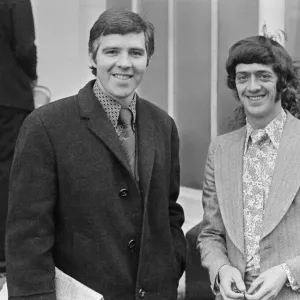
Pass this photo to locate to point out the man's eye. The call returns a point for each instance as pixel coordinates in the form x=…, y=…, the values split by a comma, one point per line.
x=136, y=53
x=111, y=52
x=241, y=78
x=265, y=76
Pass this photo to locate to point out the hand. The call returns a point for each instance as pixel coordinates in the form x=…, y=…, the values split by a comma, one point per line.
x=230, y=280
x=267, y=285
x=33, y=84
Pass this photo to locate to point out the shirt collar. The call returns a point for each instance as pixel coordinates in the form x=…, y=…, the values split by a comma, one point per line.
x=112, y=107
x=273, y=129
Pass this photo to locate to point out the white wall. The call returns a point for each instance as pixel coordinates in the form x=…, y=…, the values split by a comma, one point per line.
x=62, y=32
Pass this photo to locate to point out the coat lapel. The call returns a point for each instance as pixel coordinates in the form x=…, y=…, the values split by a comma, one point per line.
x=286, y=178
x=229, y=186
x=146, y=145
x=97, y=121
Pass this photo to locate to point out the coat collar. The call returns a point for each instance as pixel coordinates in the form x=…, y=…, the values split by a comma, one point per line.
x=229, y=167
x=286, y=178
x=146, y=144
x=97, y=121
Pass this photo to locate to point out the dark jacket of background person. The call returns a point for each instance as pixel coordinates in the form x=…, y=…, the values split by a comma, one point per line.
x=86, y=213
x=17, y=54
x=17, y=74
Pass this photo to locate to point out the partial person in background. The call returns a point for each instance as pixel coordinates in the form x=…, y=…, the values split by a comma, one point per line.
x=95, y=181
x=250, y=238
x=17, y=77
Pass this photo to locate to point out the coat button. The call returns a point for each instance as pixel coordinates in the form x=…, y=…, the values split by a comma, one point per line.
x=123, y=193
x=132, y=245
x=141, y=293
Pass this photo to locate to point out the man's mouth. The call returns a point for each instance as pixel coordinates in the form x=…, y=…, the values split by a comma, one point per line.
x=123, y=76
x=256, y=98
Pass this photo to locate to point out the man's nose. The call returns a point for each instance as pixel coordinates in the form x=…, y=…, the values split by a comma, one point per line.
x=253, y=84
x=124, y=61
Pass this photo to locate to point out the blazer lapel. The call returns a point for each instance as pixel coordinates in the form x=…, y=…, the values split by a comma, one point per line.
x=146, y=145
x=229, y=167
x=286, y=178
x=97, y=121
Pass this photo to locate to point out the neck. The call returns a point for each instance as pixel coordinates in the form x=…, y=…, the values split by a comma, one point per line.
x=258, y=123
x=123, y=101
x=263, y=121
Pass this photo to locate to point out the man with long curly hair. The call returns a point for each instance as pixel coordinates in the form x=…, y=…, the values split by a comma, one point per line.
x=250, y=239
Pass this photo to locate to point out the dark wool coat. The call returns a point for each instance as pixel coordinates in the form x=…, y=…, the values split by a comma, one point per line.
x=74, y=204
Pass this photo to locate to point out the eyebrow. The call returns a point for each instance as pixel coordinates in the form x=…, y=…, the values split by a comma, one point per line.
x=130, y=49
x=255, y=72
x=138, y=49
x=110, y=48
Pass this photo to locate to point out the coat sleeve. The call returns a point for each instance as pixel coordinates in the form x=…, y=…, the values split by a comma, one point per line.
x=24, y=37
x=211, y=240
x=175, y=210
x=30, y=222
x=294, y=266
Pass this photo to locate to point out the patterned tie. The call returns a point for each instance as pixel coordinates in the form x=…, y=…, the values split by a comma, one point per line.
x=258, y=136
x=127, y=136
x=254, y=203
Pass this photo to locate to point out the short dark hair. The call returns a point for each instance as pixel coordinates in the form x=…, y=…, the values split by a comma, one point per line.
x=117, y=21
x=265, y=50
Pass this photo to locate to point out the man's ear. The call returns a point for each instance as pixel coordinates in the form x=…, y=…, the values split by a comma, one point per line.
x=92, y=61
x=148, y=61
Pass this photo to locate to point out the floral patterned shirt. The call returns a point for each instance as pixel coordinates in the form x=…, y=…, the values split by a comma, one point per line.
x=260, y=151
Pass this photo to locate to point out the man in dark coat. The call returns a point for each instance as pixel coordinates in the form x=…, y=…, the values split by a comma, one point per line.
x=17, y=75
x=80, y=201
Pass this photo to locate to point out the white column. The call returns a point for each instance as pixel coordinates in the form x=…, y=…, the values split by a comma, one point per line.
x=135, y=6
x=271, y=14
x=214, y=70
x=171, y=69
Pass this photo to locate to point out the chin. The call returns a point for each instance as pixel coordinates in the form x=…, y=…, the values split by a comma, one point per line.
x=122, y=96
x=255, y=112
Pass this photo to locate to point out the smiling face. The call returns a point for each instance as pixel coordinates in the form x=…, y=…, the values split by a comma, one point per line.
x=121, y=61
x=256, y=88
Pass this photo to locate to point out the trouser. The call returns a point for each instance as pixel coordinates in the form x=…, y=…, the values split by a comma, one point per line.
x=11, y=120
